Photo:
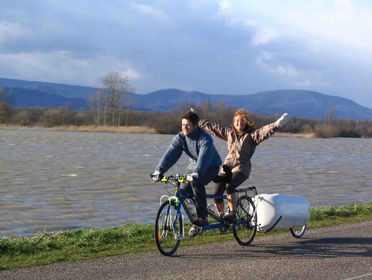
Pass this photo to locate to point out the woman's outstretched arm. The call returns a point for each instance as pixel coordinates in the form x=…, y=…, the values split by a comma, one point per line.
x=215, y=128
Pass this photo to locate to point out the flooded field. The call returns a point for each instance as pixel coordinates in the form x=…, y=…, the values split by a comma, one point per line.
x=50, y=181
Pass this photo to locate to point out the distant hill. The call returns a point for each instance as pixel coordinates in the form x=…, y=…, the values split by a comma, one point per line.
x=63, y=90
x=31, y=94
x=299, y=103
x=29, y=98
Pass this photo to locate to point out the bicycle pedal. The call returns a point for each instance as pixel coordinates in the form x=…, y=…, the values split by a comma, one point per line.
x=223, y=230
x=237, y=228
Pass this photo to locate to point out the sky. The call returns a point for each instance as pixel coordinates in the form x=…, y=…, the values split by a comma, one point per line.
x=211, y=46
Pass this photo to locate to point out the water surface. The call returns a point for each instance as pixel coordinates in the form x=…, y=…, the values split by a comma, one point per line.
x=53, y=180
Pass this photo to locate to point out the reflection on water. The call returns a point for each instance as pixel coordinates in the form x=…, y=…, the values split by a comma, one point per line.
x=62, y=180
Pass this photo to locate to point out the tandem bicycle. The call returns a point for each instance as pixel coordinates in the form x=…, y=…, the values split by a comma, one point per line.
x=169, y=222
x=255, y=213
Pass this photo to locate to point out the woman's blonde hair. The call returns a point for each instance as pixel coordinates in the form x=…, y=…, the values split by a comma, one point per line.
x=250, y=124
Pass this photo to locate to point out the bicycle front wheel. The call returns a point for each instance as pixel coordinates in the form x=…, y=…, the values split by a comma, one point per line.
x=245, y=229
x=168, y=229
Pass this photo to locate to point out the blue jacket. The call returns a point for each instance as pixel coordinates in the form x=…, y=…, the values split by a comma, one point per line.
x=198, y=146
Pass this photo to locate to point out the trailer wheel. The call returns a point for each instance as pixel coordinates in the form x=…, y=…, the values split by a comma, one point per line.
x=298, y=232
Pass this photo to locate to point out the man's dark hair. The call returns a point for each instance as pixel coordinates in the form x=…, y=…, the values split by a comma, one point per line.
x=192, y=117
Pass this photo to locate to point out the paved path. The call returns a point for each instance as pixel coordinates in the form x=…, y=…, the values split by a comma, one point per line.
x=339, y=252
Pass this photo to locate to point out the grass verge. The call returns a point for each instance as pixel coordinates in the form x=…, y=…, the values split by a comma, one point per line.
x=93, y=243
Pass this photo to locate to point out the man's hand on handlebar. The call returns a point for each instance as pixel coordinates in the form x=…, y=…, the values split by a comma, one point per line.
x=157, y=176
x=192, y=177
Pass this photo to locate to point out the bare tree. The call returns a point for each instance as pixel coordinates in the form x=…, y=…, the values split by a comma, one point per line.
x=108, y=102
x=96, y=105
x=5, y=109
x=5, y=96
x=116, y=88
x=126, y=103
x=331, y=114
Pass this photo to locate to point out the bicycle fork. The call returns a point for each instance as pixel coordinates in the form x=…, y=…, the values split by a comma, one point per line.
x=170, y=224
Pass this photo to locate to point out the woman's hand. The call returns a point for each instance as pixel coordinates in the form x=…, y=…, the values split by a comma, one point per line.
x=282, y=120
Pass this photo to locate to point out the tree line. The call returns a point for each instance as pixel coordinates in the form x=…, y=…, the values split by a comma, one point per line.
x=169, y=122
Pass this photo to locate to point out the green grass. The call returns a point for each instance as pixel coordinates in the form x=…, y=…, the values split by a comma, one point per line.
x=93, y=243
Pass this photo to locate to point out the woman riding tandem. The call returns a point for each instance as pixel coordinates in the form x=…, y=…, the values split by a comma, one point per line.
x=242, y=139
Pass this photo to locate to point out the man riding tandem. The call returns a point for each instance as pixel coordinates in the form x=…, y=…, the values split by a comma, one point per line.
x=242, y=139
x=204, y=162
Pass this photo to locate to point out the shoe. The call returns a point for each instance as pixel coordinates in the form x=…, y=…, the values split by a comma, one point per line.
x=223, y=229
x=221, y=215
x=230, y=218
x=201, y=221
x=193, y=231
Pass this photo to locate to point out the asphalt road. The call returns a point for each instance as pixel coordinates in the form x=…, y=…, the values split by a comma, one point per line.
x=339, y=252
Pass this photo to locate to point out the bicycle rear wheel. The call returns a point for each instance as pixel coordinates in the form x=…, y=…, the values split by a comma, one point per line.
x=168, y=229
x=245, y=229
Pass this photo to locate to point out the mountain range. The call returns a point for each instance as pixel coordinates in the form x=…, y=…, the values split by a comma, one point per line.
x=299, y=103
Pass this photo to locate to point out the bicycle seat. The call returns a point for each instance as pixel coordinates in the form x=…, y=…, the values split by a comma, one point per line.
x=252, y=189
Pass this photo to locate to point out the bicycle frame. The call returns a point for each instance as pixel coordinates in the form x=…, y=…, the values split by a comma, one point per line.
x=169, y=222
x=180, y=195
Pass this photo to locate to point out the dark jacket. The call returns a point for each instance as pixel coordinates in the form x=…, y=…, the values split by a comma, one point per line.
x=198, y=146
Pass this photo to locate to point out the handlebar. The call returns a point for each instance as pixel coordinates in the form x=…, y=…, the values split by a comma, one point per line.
x=172, y=178
x=178, y=178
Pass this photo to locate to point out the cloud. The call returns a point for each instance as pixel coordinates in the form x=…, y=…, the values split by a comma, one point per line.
x=290, y=75
x=225, y=46
x=149, y=11
x=236, y=12
x=319, y=45
x=264, y=36
x=267, y=62
x=10, y=31
x=127, y=71
x=323, y=24
x=66, y=68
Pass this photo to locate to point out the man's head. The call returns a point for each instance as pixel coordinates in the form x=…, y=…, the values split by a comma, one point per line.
x=189, y=122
